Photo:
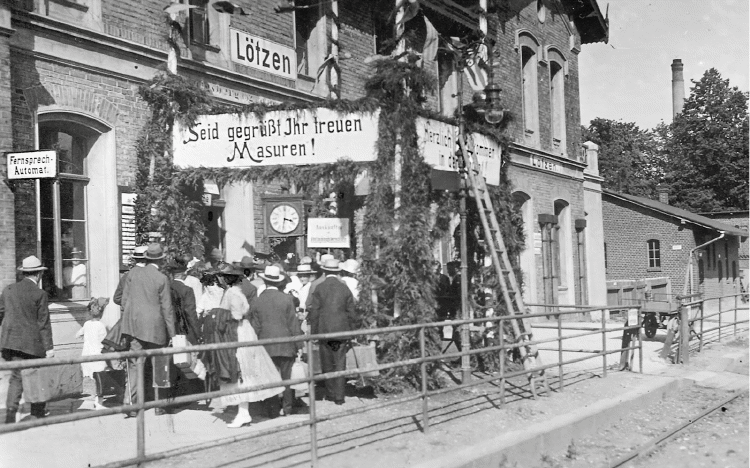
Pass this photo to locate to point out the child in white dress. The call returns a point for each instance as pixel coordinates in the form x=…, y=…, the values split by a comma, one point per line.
x=93, y=332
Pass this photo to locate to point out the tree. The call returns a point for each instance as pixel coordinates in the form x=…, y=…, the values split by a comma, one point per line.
x=627, y=156
x=708, y=148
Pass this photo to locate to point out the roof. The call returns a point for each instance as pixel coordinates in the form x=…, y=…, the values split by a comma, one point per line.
x=679, y=213
x=591, y=24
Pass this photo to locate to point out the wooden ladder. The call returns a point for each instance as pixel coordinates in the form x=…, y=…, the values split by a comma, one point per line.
x=506, y=277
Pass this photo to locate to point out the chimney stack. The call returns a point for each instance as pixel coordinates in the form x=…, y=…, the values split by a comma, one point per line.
x=663, y=194
x=678, y=87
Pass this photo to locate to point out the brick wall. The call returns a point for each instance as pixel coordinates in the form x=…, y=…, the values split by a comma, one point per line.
x=7, y=221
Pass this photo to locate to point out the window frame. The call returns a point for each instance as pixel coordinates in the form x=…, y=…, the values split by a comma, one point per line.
x=201, y=6
x=528, y=58
x=312, y=45
x=557, y=80
x=653, y=254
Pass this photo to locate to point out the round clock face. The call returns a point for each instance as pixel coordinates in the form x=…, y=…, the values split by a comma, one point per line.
x=284, y=218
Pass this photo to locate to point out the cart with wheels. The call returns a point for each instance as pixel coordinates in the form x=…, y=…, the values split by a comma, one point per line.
x=657, y=315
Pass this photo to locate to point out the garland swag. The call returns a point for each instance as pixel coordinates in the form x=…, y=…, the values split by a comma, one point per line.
x=397, y=262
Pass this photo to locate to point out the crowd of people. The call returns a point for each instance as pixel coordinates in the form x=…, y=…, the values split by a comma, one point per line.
x=187, y=301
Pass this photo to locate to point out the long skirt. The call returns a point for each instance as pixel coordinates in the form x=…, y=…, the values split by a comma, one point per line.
x=256, y=368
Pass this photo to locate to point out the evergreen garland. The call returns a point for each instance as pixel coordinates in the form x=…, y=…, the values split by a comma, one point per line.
x=397, y=263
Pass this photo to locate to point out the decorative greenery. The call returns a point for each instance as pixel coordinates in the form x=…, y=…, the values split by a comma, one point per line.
x=397, y=261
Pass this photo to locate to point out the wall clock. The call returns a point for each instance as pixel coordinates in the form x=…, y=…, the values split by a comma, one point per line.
x=284, y=218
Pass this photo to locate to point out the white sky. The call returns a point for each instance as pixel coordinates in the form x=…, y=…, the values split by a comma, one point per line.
x=630, y=78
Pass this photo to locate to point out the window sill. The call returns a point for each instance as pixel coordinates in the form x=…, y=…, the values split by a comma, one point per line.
x=651, y=270
x=72, y=4
x=208, y=47
x=309, y=79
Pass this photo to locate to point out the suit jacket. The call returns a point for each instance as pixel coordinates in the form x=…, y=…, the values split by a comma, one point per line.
x=24, y=317
x=331, y=307
x=117, y=297
x=147, y=306
x=273, y=315
x=249, y=290
x=186, y=321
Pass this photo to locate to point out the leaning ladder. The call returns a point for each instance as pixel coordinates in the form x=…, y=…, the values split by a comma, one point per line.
x=506, y=278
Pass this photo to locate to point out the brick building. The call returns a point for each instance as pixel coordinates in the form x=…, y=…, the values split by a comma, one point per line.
x=739, y=220
x=647, y=239
x=69, y=77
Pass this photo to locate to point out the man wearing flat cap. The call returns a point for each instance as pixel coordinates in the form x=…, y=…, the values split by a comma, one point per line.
x=147, y=316
x=26, y=331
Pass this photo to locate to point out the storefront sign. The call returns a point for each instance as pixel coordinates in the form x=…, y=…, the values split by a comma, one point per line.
x=32, y=165
x=546, y=164
x=438, y=142
x=328, y=233
x=262, y=54
x=296, y=137
x=234, y=95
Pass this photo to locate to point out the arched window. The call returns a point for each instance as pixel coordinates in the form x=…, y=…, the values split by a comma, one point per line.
x=529, y=63
x=654, y=254
x=565, y=250
x=557, y=101
x=523, y=204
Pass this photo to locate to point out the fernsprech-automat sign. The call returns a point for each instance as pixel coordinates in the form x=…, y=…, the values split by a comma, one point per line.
x=294, y=137
x=32, y=165
x=261, y=54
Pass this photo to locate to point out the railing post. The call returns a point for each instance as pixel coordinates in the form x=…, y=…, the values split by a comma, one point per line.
x=735, y=315
x=313, y=417
x=501, y=336
x=141, y=418
x=560, y=350
x=423, y=365
x=640, y=342
x=719, y=320
x=700, y=337
x=684, y=350
x=604, y=346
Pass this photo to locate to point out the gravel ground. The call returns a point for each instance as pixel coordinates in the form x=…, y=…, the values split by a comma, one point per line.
x=720, y=440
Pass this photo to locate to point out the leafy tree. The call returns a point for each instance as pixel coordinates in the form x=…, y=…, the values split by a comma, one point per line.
x=708, y=148
x=627, y=156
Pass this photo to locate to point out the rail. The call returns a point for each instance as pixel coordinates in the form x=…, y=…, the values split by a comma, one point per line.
x=629, y=330
x=687, y=326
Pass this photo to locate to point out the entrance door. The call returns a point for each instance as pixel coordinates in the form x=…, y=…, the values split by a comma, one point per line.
x=213, y=219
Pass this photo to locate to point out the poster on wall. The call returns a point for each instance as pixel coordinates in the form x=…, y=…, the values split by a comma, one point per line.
x=438, y=142
x=294, y=137
x=328, y=233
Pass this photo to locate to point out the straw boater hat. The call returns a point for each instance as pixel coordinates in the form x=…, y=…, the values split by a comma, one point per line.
x=154, y=252
x=305, y=269
x=305, y=260
x=331, y=265
x=139, y=252
x=350, y=266
x=325, y=257
x=31, y=264
x=273, y=274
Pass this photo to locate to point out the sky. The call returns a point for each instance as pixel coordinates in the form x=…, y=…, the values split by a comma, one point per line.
x=630, y=78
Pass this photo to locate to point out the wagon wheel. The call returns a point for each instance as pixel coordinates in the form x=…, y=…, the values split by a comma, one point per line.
x=650, y=330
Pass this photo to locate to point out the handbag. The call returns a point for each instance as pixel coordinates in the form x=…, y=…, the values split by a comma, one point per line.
x=299, y=371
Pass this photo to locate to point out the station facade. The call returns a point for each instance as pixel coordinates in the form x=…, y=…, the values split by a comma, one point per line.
x=70, y=71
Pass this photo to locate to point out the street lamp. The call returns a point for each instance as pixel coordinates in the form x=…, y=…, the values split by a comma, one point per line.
x=493, y=112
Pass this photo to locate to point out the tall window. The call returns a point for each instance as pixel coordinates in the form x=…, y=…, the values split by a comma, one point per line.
x=307, y=25
x=654, y=254
x=557, y=101
x=63, y=212
x=199, y=27
x=530, y=99
x=447, y=83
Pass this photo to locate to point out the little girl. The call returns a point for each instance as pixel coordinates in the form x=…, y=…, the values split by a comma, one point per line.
x=93, y=332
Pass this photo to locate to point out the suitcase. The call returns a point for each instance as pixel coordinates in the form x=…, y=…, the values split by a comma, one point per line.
x=49, y=383
x=362, y=358
x=163, y=371
x=110, y=382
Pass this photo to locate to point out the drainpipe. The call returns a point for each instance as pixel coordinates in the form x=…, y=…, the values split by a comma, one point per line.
x=689, y=272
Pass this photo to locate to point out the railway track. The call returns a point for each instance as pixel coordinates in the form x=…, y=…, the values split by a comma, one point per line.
x=658, y=441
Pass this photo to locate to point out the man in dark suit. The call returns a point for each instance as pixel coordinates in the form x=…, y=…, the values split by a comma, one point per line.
x=247, y=265
x=331, y=310
x=148, y=316
x=183, y=303
x=273, y=315
x=137, y=258
x=26, y=331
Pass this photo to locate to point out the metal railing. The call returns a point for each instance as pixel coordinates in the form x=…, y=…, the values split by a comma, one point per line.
x=314, y=418
x=688, y=321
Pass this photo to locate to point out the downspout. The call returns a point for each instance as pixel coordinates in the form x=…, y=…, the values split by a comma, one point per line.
x=689, y=272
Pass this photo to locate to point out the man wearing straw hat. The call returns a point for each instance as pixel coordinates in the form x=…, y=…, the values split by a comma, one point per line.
x=26, y=331
x=147, y=316
x=331, y=310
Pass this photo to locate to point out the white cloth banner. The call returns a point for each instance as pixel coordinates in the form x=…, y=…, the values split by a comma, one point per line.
x=438, y=142
x=295, y=137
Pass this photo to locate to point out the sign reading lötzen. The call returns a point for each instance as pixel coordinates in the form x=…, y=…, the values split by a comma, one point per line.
x=295, y=137
x=328, y=233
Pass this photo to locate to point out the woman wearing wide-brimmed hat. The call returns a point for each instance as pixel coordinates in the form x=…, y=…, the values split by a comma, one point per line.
x=253, y=365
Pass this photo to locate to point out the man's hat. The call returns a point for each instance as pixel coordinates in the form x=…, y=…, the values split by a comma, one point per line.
x=154, y=252
x=331, y=265
x=350, y=266
x=305, y=269
x=224, y=268
x=76, y=251
x=175, y=266
x=325, y=257
x=139, y=252
x=305, y=260
x=246, y=262
x=273, y=274
x=31, y=264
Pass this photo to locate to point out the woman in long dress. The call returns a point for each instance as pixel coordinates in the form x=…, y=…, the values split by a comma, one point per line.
x=255, y=365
